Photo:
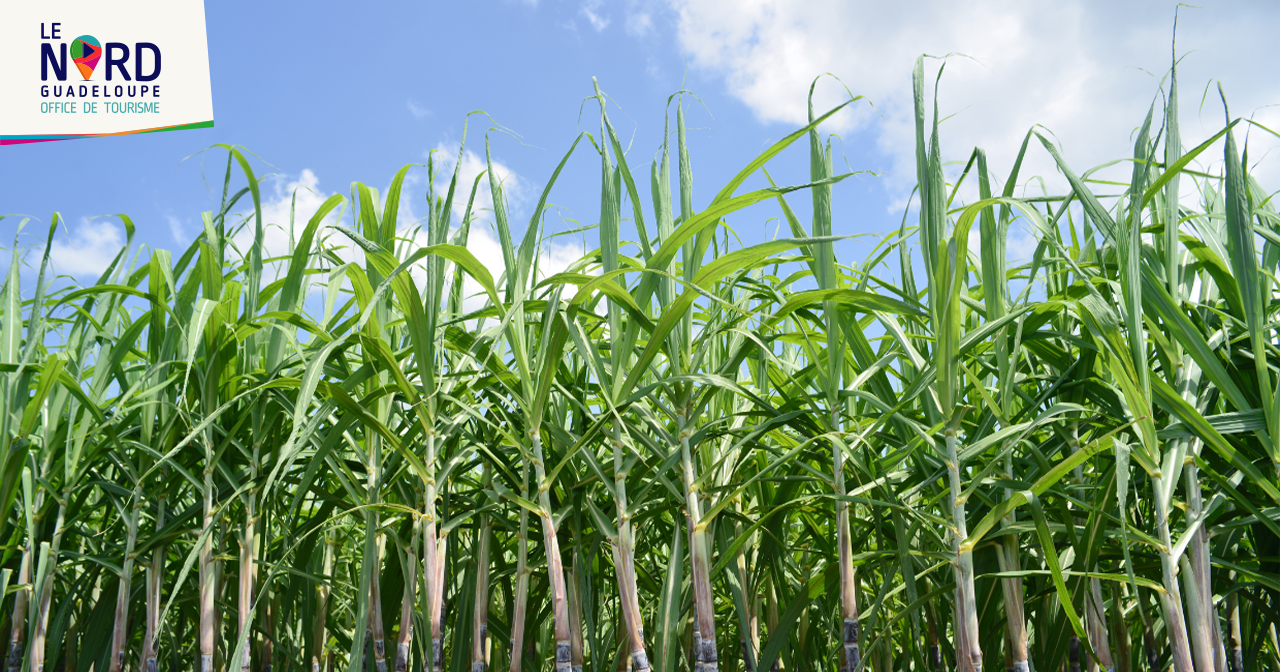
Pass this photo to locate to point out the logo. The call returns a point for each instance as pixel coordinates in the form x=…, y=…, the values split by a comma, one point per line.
x=85, y=53
x=116, y=68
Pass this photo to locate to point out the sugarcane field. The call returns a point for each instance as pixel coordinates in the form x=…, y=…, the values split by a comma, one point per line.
x=327, y=437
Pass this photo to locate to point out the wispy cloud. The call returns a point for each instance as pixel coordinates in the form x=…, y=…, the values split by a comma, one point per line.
x=652, y=69
x=482, y=241
x=87, y=248
x=594, y=17
x=473, y=165
x=416, y=110
x=286, y=209
x=176, y=229
x=639, y=24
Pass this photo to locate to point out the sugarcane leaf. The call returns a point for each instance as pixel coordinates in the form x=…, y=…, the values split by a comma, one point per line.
x=1042, y=485
x=669, y=605
x=1050, y=554
x=1179, y=408
x=786, y=624
x=49, y=375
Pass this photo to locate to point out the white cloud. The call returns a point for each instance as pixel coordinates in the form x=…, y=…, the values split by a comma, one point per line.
x=472, y=165
x=1086, y=70
x=553, y=258
x=177, y=230
x=556, y=257
x=639, y=24
x=482, y=241
x=416, y=110
x=652, y=70
x=597, y=21
x=303, y=197
x=93, y=244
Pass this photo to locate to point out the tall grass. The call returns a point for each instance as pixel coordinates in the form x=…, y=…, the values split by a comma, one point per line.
x=739, y=458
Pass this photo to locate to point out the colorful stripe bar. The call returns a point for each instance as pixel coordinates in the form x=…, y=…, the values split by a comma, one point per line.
x=27, y=139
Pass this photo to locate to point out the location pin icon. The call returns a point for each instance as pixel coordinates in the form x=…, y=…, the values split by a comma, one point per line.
x=86, y=51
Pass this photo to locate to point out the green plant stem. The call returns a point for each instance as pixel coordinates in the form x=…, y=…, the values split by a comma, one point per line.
x=120, y=629
x=1175, y=623
x=555, y=565
x=700, y=571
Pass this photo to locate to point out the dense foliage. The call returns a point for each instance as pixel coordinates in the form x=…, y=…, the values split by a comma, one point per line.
x=705, y=455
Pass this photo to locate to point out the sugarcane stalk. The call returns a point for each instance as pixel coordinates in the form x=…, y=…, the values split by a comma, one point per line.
x=1099, y=636
x=695, y=639
x=480, y=627
x=518, y=613
x=1198, y=550
x=964, y=572
x=935, y=649
x=20, y=600
x=46, y=591
x=431, y=561
x=625, y=639
x=848, y=600
x=1237, y=642
x=555, y=565
x=632, y=628
x=963, y=662
x=1014, y=606
x=319, y=634
x=245, y=581
x=208, y=576
x=623, y=662
x=443, y=548
x=695, y=636
x=1015, y=618
x=405, y=641
x=375, y=609
x=375, y=625
x=625, y=562
x=1202, y=647
x=155, y=585
x=1011, y=588
x=120, y=629
x=771, y=615
x=1171, y=600
x=1215, y=634
x=1204, y=627
x=221, y=592
x=749, y=641
x=705, y=632
x=575, y=615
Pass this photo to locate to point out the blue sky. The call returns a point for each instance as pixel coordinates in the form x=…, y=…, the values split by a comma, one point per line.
x=393, y=81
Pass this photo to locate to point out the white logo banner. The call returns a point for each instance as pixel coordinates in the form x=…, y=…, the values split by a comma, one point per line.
x=87, y=68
